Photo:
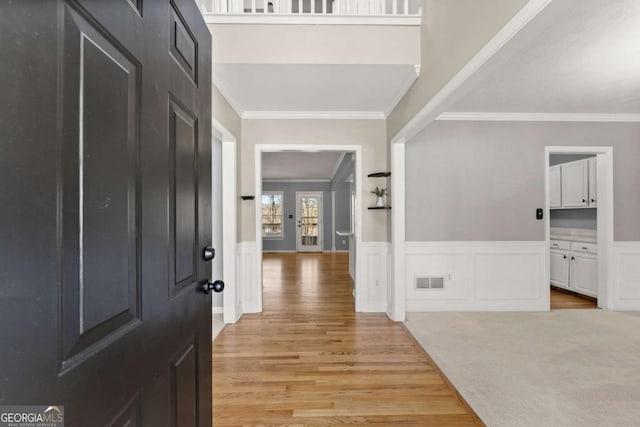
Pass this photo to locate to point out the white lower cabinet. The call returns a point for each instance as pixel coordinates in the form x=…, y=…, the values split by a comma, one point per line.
x=583, y=276
x=574, y=266
x=560, y=269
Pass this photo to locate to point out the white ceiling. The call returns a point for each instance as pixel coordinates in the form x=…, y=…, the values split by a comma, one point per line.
x=576, y=56
x=313, y=87
x=297, y=165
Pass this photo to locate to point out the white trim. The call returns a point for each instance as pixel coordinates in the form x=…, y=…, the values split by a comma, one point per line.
x=402, y=89
x=434, y=107
x=396, y=297
x=320, y=243
x=338, y=163
x=231, y=297
x=376, y=273
x=313, y=115
x=606, y=294
x=333, y=220
x=217, y=310
x=296, y=180
x=309, y=19
x=414, y=247
x=261, y=148
x=538, y=117
x=225, y=94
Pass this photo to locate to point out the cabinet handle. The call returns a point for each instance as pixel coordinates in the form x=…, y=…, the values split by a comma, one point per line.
x=585, y=248
x=555, y=245
x=573, y=258
x=584, y=200
x=593, y=200
x=564, y=256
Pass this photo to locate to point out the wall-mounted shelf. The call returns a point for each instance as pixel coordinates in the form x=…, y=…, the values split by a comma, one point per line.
x=377, y=208
x=379, y=175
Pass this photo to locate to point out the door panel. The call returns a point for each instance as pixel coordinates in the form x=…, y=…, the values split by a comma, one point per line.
x=130, y=415
x=184, y=377
x=309, y=211
x=184, y=197
x=108, y=153
x=575, y=184
x=100, y=286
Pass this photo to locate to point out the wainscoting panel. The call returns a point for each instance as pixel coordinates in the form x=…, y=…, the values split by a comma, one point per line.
x=493, y=276
x=376, y=273
x=247, y=278
x=626, y=275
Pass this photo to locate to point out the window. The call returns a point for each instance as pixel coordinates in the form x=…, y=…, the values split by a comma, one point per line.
x=272, y=215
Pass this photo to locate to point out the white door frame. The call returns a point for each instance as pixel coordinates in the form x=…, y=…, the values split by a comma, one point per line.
x=396, y=294
x=319, y=194
x=275, y=148
x=604, y=193
x=231, y=302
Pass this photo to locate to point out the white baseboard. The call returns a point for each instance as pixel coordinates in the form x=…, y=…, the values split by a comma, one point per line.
x=626, y=276
x=478, y=276
x=265, y=251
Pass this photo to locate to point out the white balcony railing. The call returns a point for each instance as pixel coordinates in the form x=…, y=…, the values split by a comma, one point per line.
x=318, y=8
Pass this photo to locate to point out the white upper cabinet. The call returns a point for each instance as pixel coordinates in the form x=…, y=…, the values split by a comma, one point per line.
x=555, y=187
x=575, y=184
x=593, y=171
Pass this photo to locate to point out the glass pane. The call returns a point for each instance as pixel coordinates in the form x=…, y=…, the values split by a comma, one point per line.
x=271, y=215
x=309, y=221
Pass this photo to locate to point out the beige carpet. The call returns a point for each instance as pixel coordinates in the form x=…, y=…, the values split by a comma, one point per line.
x=560, y=368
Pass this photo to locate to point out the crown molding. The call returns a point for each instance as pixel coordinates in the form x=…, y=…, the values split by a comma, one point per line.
x=403, y=89
x=311, y=19
x=434, y=107
x=324, y=180
x=537, y=117
x=313, y=115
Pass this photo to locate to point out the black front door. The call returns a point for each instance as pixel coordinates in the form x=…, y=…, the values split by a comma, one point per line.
x=105, y=208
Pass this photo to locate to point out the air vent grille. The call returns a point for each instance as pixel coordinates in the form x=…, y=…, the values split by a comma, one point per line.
x=430, y=282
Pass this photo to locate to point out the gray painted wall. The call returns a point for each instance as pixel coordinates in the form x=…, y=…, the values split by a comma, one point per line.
x=289, y=189
x=482, y=181
x=343, y=200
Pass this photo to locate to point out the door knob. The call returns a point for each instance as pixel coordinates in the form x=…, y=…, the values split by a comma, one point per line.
x=208, y=286
x=208, y=253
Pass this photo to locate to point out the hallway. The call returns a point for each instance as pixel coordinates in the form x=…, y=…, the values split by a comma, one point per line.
x=308, y=359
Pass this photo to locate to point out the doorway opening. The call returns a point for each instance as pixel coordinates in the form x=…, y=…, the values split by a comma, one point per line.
x=308, y=218
x=579, y=226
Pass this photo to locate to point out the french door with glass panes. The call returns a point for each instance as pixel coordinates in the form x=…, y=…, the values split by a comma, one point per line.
x=309, y=216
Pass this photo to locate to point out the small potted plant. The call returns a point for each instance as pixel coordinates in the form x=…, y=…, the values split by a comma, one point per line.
x=380, y=193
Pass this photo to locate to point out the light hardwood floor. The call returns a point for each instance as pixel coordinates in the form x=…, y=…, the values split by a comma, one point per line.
x=310, y=360
x=565, y=300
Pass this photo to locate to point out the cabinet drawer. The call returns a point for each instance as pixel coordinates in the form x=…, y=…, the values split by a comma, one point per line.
x=560, y=244
x=589, y=248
